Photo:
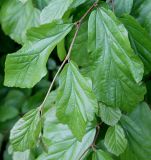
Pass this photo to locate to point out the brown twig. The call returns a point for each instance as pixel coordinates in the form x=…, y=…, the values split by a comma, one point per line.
x=96, y=136
x=94, y=141
x=78, y=24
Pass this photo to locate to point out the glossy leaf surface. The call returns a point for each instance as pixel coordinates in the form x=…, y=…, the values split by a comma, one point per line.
x=54, y=11
x=17, y=18
x=138, y=128
x=115, y=70
x=101, y=155
x=78, y=105
x=63, y=145
x=115, y=140
x=27, y=66
x=25, y=133
x=109, y=115
x=140, y=40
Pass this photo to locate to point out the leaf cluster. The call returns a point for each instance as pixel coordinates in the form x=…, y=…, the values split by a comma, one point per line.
x=76, y=79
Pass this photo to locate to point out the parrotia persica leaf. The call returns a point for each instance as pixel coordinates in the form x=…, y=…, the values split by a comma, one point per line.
x=76, y=103
x=25, y=133
x=101, y=155
x=109, y=115
x=140, y=40
x=27, y=66
x=54, y=11
x=123, y=6
x=142, y=12
x=138, y=128
x=115, y=70
x=61, y=143
x=115, y=140
x=17, y=17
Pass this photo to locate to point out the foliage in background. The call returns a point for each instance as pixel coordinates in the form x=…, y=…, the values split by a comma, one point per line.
x=75, y=79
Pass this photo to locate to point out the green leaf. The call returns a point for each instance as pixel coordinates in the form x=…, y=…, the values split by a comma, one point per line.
x=140, y=40
x=25, y=133
x=32, y=58
x=26, y=155
x=61, y=51
x=115, y=70
x=7, y=112
x=77, y=3
x=17, y=17
x=54, y=11
x=115, y=140
x=109, y=115
x=142, y=12
x=79, y=50
x=123, y=6
x=10, y=105
x=128, y=155
x=61, y=143
x=101, y=155
x=138, y=129
x=76, y=103
x=11, y=100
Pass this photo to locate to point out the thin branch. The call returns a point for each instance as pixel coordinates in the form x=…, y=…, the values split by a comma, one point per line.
x=60, y=68
x=78, y=24
x=88, y=11
x=96, y=136
x=94, y=141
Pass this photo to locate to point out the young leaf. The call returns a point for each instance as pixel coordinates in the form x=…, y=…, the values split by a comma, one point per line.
x=109, y=115
x=61, y=143
x=140, y=40
x=138, y=128
x=25, y=132
x=76, y=103
x=115, y=70
x=54, y=11
x=17, y=17
x=27, y=66
x=115, y=140
x=101, y=155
